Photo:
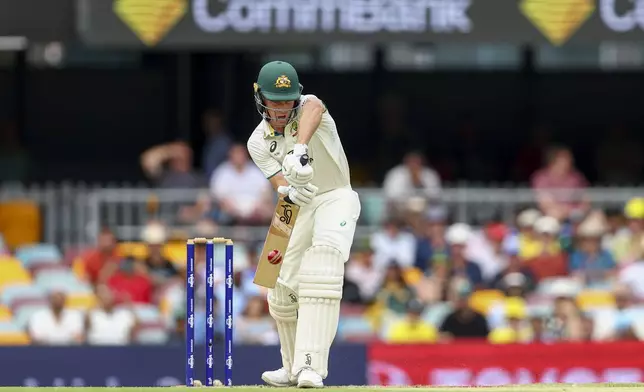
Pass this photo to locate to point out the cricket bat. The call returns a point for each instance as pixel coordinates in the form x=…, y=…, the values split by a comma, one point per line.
x=277, y=239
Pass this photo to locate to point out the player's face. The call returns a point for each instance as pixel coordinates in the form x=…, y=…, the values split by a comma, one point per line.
x=279, y=112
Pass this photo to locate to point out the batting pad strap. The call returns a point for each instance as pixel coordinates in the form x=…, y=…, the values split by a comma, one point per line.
x=285, y=313
x=315, y=286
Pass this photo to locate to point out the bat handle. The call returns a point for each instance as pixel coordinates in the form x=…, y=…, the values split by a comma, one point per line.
x=304, y=160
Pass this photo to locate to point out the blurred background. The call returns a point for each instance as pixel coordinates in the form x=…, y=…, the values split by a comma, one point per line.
x=497, y=150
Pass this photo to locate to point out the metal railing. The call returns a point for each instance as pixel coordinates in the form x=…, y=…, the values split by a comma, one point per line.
x=74, y=213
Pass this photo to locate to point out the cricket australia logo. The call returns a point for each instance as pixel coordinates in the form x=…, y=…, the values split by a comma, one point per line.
x=229, y=322
x=283, y=82
x=210, y=321
x=229, y=362
x=229, y=282
x=287, y=214
x=210, y=281
x=210, y=361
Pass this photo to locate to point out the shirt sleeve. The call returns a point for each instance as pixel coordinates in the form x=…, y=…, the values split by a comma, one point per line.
x=262, y=158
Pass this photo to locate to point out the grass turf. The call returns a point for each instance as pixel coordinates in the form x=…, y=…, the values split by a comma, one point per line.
x=610, y=387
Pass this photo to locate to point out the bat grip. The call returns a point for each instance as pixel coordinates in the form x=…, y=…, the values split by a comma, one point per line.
x=304, y=160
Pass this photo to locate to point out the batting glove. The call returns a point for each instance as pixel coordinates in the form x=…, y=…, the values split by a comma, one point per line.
x=301, y=196
x=294, y=172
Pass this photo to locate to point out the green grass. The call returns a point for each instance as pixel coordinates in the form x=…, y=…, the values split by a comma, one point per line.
x=610, y=387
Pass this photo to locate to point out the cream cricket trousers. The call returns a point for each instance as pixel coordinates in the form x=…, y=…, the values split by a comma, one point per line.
x=330, y=220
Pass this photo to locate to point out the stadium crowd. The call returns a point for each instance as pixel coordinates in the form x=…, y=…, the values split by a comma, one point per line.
x=563, y=271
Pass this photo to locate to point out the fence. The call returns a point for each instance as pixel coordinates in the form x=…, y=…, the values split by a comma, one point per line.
x=74, y=213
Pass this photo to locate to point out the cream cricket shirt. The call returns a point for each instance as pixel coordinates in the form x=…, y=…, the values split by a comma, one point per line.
x=329, y=162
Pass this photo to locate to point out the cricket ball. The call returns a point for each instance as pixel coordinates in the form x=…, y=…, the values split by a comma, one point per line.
x=275, y=257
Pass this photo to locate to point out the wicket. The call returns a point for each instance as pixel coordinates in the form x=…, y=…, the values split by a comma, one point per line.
x=210, y=311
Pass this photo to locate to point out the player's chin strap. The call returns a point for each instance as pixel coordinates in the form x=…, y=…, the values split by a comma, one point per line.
x=320, y=292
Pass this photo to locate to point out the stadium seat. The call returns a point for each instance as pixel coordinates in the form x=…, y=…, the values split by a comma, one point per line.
x=12, y=272
x=12, y=334
x=147, y=313
x=153, y=333
x=11, y=294
x=482, y=300
x=81, y=301
x=137, y=250
x=593, y=299
x=5, y=313
x=61, y=280
x=20, y=221
x=38, y=253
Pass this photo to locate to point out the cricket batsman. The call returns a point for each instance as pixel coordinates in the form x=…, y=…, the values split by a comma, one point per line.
x=305, y=302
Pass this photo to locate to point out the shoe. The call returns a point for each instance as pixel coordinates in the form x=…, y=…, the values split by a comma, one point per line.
x=309, y=379
x=278, y=378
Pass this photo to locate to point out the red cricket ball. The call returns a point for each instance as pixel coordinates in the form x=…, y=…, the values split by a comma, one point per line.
x=275, y=257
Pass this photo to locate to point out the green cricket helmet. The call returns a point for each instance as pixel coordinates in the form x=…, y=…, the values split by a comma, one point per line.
x=278, y=81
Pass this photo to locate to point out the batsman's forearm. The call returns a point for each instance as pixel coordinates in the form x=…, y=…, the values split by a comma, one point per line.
x=310, y=121
x=277, y=181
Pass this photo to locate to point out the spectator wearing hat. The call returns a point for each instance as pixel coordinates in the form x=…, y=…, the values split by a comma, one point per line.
x=559, y=186
x=160, y=269
x=485, y=247
x=528, y=242
x=516, y=330
x=628, y=245
x=549, y=261
x=431, y=246
x=459, y=265
x=544, y=239
x=413, y=329
x=589, y=263
x=464, y=321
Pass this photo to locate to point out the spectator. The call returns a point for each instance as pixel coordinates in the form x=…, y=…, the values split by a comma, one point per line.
x=516, y=330
x=616, y=228
x=131, y=283
x=565, y=322
x=431, y=247
x=412, y=178
x=528, y=243
x=559, y=185
x=616, y=323
x=159, y=268
x=628, y=245
x=632, y=275
x=104, y=253
x=463, y=322
x=589, y=263
x=395, y=293
x=56, y=325
x=458, y=265
x=107, y=325
x=412, y=329
x=218, y=141
x=485, y=247
x=170, y=166
x=393, y=243
x=240, y=190
x=550, y=261
x=254, y=325
x=516, y=274
x=361, y=271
